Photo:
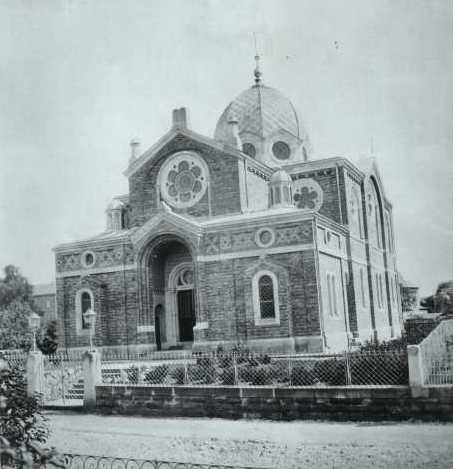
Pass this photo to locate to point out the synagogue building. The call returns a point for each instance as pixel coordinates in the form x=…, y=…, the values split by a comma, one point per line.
x=242, y=237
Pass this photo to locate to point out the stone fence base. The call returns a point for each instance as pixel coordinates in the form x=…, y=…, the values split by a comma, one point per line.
x=353, y=403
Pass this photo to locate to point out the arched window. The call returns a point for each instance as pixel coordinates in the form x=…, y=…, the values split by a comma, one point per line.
x=84, y=301
x=332, y=294
x=85, y=306
x=265, y=298
x=266, y=292
x=355, y=212
x=374, y=216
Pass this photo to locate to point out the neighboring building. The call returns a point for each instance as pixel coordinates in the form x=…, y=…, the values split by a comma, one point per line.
x=44, y=301
x=237, y=238
x=409, y=295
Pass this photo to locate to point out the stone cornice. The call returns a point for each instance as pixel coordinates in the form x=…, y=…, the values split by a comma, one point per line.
x=101, y=242
x=322, y=164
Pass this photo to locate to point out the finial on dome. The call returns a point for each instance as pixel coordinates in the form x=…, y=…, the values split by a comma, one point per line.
x=257, y=71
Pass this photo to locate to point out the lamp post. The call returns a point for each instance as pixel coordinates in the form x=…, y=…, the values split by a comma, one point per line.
x=34, y=321
x=90, y=319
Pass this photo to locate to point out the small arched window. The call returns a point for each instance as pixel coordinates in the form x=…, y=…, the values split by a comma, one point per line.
x=266, y=294
x=265, y=298
x=86, y=304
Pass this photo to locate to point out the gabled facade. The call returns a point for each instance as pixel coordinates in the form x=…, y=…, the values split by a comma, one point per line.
x=237, y=239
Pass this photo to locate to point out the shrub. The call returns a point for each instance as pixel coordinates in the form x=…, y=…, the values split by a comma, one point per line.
x=227, y=376
x=178, y=375
x=204, y=373
x=303, y=375
x=379, y=368
x=331, y=372
x=156, y=375
x=23, y=429
x=132, y=374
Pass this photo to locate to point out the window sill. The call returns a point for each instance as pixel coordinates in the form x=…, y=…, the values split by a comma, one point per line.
x=267, y=322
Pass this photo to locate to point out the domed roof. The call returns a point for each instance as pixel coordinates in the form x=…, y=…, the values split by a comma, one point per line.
x=280, y=176
x=260, y=110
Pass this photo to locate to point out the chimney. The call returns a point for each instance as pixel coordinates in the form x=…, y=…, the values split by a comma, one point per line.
x=180, y=118
x=233, y=132
x=135, y=150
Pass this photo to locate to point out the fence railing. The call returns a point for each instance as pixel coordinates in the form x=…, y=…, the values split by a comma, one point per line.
x=437, y=354
x=376, y=368
x=73, y=461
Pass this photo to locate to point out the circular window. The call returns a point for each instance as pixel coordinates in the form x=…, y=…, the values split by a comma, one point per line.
x=307, y=194
x=249, y=149
x=88, y=259
x=281, y=150
x=264, y=237
x=183, y=180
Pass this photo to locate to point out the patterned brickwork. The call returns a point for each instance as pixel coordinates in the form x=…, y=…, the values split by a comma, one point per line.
x=223, y=171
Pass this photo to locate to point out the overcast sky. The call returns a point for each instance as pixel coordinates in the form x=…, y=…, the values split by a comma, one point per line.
x=79, y=79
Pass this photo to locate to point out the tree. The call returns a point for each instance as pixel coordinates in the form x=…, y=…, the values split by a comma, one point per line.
x=14, y=329
x=442, y=301
x=48, y=341
x=14, y=286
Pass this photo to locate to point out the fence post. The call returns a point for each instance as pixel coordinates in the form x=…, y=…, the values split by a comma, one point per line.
x=91, y=376
x=186, y=370
x=35, y=373
x=235, y=370
x=347, y=368
x=290, y=371
x=415, y=365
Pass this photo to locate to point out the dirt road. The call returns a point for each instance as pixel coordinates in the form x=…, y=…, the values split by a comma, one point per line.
x=257, y=443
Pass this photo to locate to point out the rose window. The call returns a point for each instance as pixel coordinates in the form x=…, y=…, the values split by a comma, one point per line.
x=183, y=180
x=307, y=194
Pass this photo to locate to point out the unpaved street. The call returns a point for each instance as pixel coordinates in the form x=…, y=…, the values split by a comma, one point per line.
x=257, y=443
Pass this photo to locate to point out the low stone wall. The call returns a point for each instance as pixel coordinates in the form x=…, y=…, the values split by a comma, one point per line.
x=336, y=403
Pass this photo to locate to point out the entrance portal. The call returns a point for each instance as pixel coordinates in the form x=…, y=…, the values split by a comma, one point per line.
x=186, y=315
x=171, y=293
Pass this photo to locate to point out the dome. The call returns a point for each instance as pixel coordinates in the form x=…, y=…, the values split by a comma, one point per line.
x=280, y=176
x=267, y=126
x=262, y=111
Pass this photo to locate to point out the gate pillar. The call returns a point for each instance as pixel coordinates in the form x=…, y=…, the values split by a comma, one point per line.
x=35, y=373
x=91, y=376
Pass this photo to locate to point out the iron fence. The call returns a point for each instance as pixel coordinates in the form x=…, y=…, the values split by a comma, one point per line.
x=376, y=368
x=73, y=461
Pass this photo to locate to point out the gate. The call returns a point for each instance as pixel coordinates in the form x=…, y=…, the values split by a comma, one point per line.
x=63, y=379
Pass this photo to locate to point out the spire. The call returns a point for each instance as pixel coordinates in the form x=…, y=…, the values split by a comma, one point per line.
x=257, y=71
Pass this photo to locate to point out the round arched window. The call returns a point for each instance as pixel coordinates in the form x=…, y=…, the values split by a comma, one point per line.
x=249, y=149
x=281, y=150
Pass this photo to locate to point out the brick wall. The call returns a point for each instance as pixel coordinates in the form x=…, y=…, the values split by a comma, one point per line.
x=385, y=403
x=224, y=182
x=116, y=308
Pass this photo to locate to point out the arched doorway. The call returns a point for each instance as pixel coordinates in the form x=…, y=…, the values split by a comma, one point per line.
x=181, y=297
x=169, y=291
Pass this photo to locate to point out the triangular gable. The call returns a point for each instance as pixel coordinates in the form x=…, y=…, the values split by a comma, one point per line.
x=165, y=222
x=149, y=154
